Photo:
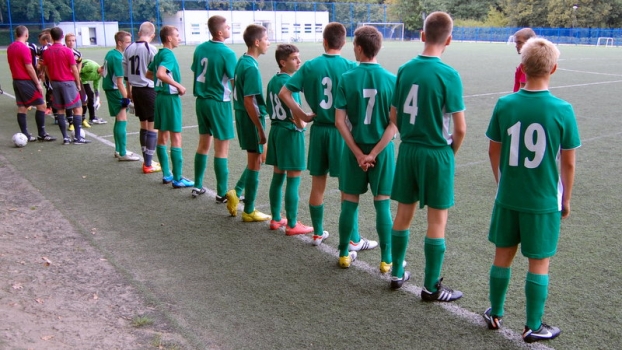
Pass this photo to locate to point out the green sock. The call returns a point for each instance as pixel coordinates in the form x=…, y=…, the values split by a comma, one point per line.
x=434, y=249
x=239, y=187
x=115, y=132
x=252, y=183
x=383, y=227
x=399, y=243
x=120, y=134
x=346, y=222
x=178, y=162
x=291, y=200
x=163, y=159
x=499, y=282
x=355, y=236
x=221, y=168
x=536, y=291
x=317, y=218
x=200, y=163
x=276, y=191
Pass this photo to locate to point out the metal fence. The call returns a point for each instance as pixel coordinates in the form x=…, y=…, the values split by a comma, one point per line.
x=39, y=14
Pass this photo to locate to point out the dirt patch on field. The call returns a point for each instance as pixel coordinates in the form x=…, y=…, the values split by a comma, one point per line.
x=57, y=291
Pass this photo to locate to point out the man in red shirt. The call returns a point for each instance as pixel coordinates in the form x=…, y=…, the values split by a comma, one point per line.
x=28, y=90
x=60, y=64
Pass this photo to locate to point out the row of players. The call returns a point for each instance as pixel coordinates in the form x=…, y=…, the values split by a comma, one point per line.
x=356, y=112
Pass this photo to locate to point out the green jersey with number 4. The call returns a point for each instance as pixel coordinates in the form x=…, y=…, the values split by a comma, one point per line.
x=532, y=127
x=427, y=93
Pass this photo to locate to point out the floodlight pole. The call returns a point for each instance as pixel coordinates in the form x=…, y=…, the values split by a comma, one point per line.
x=574, y=20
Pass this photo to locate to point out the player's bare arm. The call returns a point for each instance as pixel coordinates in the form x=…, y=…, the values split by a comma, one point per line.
x=494, y=153
x=286, y=96
x=567, y=168
x=76, y=76
x=253, y=113
x=459, y=130
x=162, y=75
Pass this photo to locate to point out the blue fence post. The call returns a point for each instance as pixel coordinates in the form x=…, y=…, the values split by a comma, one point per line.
x=42, y=19
x=132, y=17
x=8, y=6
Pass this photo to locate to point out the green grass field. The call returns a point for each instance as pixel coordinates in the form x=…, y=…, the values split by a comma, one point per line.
x=230, y=285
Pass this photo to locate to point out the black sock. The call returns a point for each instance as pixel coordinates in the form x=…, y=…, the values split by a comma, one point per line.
x=62, y=125
x=150, y=146
x=40, y=119
x=143, y=140
x=77, y=124
x=23, y=125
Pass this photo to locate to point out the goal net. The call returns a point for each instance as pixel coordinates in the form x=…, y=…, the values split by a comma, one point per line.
x=390, y=31
x=604, y=41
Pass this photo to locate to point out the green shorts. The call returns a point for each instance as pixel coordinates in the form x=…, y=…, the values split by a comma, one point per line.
x=325, y=148
x=286, y=149
x=247, y=132
x=353, y=180
x=215, y=118
x=167, y=113
x=537, y=234
x=424, y=174
x=114, y=102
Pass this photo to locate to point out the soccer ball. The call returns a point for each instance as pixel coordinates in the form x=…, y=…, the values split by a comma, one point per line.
x=20, y=140
x=82, y=134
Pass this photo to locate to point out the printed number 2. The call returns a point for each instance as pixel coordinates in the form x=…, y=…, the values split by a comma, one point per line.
x=535, y=141
x=201, y=77
x=328, y=91
x=371, y=95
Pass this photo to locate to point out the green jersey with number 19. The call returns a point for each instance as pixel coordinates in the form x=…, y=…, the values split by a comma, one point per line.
x=213, y=65
x=532, y=127
x=277, y=110
x=318, y=80
x=365, y=93
x=424, y=114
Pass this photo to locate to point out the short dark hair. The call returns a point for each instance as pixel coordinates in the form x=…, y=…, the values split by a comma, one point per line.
x=283, y=51
x=437, y=27
x=215, y=23
x=56, y=33
x=165, y=32
x=253, y=32
x=369, y=39
x=120, y=36
x=335, y=35
x=20, y=31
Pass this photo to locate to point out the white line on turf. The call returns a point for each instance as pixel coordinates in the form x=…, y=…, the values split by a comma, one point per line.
x=550, y=88
x=586, y=72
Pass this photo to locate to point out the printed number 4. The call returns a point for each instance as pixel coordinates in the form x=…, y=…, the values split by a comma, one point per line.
x=410, y=105
x=535, y=141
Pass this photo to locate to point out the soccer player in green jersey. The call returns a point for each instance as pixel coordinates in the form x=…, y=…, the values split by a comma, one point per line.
x=286, y=146
x=318, y=80
x=427, y=99
x=168, y=115
x=364, y=99
x=116, y=94
x=213, y=65
x=533, y=136
x=250, y=111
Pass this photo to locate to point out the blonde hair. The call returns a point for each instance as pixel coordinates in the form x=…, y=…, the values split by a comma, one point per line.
x=146, y=28
x=437, y=27
x=538, y=57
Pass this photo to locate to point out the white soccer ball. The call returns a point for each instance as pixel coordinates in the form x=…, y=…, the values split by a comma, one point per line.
x=82, y=134
x=20, y=140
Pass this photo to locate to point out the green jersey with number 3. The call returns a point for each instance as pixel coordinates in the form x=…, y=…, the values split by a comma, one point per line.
x=532, y=127
x=318, y=80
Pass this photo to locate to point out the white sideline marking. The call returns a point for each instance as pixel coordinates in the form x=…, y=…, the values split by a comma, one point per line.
x=586, y=72
x=550, y=88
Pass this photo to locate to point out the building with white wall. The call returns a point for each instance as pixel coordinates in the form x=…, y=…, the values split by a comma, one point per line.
x=282, y=26
x=91, y=33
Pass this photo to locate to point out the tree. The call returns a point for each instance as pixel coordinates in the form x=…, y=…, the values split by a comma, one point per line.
x=526, y=13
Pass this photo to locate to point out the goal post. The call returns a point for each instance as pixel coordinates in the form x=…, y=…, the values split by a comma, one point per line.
x=390, y=31
x=604, y=41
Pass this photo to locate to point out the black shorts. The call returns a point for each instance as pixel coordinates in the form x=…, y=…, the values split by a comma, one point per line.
x=26, y=93
x=144, y=103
